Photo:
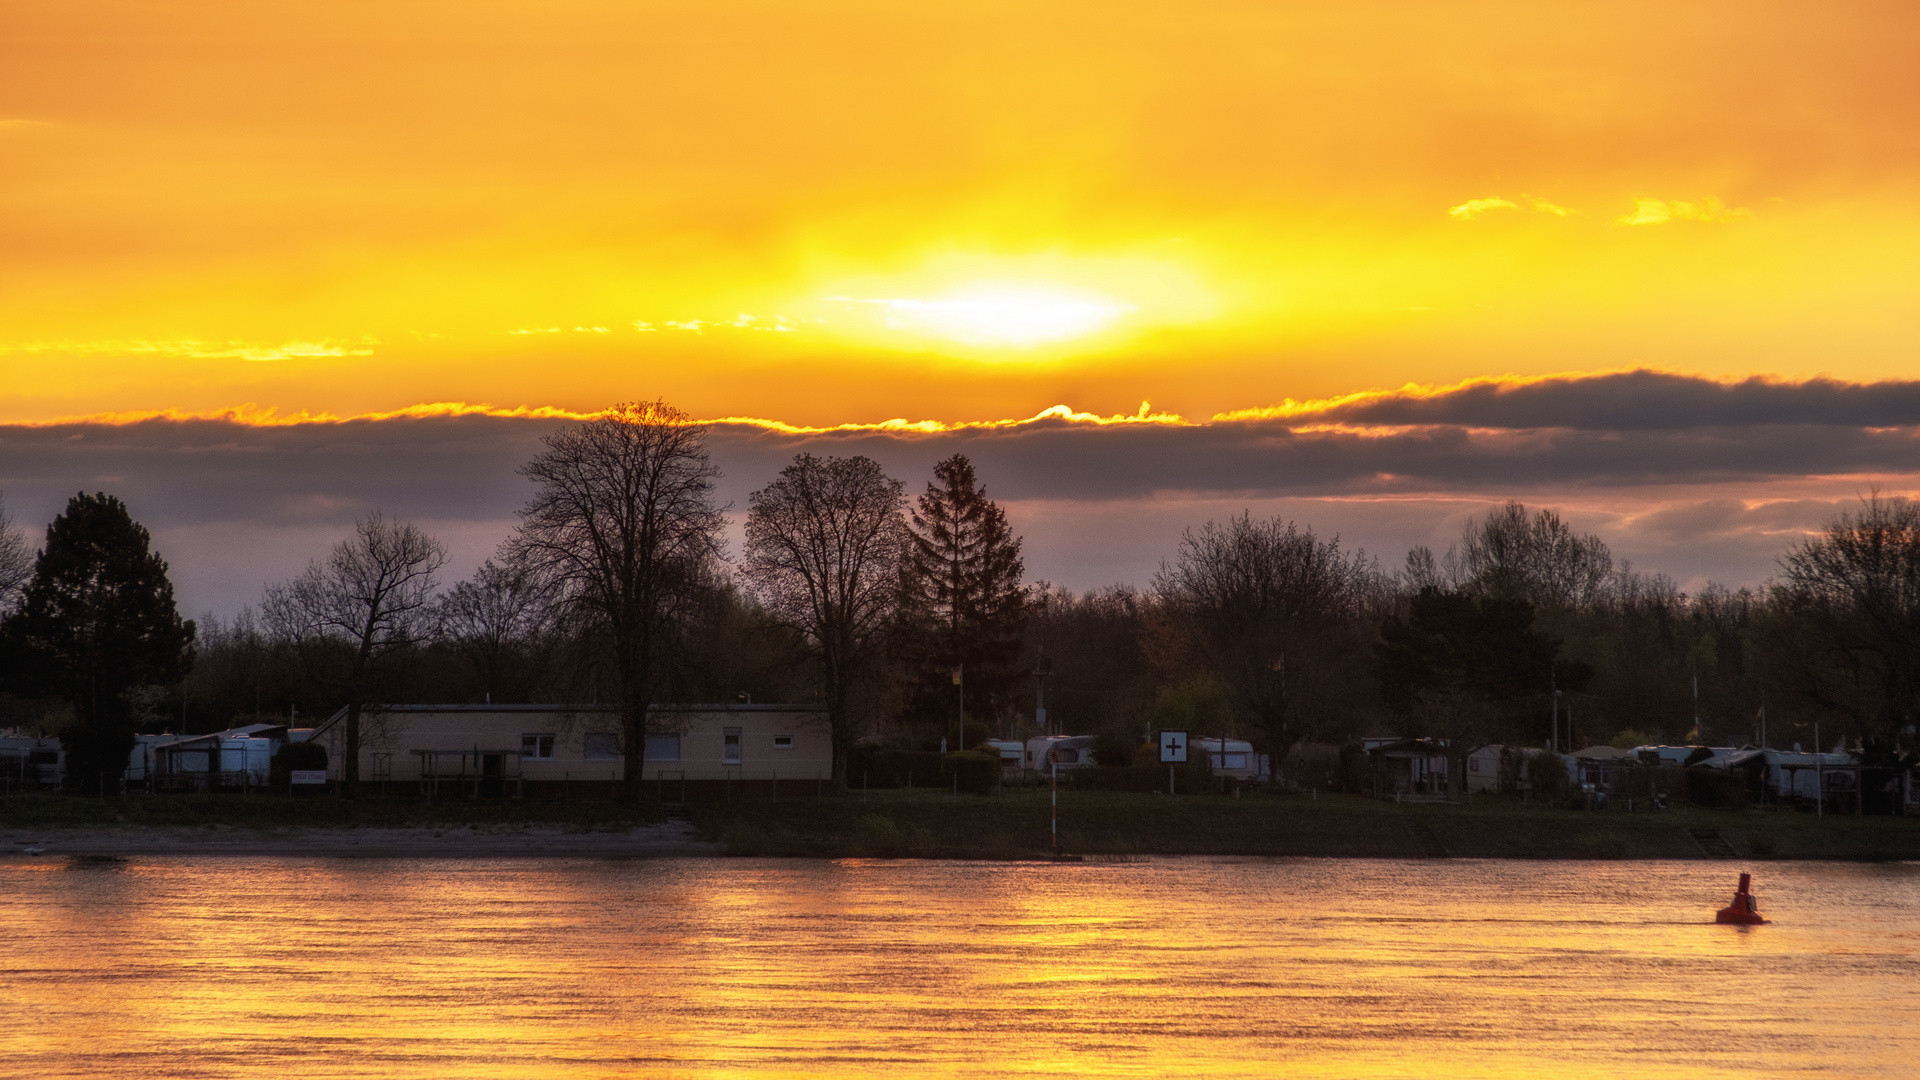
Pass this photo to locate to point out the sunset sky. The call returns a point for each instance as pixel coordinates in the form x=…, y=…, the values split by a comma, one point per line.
x=1220, y=221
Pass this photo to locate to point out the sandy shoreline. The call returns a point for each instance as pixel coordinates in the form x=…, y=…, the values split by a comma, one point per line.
x=498, y=841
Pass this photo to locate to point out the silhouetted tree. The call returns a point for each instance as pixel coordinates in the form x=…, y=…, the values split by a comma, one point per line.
x=1459, y=666
x=1533, y=556
x=243, y=674
x=967, y=577
x=16, y=562
x=1844, y=633
x=827, y=548
x=97, y=626
x=347, y=617
x=625, y=524
x=500, y=621
x=1265, y=605
x=1099, y=677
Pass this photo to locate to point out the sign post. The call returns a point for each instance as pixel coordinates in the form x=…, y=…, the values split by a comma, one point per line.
x=1173, y=751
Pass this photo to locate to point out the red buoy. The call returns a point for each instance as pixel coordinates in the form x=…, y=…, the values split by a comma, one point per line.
x=1743, y=911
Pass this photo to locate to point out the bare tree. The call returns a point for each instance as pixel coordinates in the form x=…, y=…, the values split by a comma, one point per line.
x=16, y=562
x=499, y=619
x=1533, y=556
x=1848, y=617
x=827, y=544
x=1267, y=606
x=624, y=522
x=346, y=616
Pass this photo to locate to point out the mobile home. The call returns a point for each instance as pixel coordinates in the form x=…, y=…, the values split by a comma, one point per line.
x=527, y=750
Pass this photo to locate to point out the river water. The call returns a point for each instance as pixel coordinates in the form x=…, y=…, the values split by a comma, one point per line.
x=226, y=967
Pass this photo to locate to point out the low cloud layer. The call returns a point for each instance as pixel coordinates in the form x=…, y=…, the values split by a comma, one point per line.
x=1694, y=478
x=1632, y=401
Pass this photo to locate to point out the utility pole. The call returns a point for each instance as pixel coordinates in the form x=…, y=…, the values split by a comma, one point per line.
x=1553, y=708
x=1042, y=668
x=959, y=682
x=1056, y=801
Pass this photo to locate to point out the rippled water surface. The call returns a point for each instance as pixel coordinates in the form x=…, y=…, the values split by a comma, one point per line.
x=1340, y=968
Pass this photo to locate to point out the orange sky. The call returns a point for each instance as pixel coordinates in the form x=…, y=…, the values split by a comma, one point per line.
x=849, y=211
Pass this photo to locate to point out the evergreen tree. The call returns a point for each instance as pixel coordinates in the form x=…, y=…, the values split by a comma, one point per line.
x=967, y=571
x=1471, y=668
x=98, y=622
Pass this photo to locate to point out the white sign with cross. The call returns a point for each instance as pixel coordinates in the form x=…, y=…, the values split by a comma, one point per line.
x=1173, y=746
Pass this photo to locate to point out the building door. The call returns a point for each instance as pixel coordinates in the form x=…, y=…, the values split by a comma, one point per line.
x=730, y=753
x=492, y=785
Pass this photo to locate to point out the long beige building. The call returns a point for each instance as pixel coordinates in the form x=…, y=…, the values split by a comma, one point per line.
x=545, y=750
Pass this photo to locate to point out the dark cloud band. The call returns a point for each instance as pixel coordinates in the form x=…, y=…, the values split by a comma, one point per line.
x=1639, y=401
x=243, y=503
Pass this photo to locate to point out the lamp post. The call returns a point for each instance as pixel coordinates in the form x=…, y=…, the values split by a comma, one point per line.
x=960, y=693
x=1042, y=668
x=1553, y=722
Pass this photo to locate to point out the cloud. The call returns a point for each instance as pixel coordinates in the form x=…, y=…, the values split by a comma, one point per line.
x=1472, y=209
x=1662, y=211
x=196, y=349
x=1637, y=400
x=1688, y=476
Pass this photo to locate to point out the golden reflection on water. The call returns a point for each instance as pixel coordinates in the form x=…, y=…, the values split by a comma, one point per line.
x=708, y=968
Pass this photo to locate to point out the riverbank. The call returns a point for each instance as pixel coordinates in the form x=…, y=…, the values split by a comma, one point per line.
x=132, y=841
x=264, y=824
x=1009, y=824
x=1016, y=824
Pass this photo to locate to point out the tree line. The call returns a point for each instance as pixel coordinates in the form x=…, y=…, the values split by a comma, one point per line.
x=912, y=622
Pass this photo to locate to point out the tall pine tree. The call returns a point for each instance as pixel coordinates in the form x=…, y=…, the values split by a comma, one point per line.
x=967, y=571
x=98, y=621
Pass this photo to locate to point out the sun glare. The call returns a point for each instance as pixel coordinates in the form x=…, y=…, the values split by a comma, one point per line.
x=1020, y=304
x=1010, y=315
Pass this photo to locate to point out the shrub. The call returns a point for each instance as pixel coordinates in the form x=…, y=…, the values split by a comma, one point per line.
x=1721, y=788
x=1113, y=748
x=872, y=767
x=975, y=770
x=291, y=756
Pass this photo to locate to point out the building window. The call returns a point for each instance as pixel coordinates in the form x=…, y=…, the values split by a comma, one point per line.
x=783, y=742
x=536, y=746
x=663, y=748
x=730, y=746
x=601, y=745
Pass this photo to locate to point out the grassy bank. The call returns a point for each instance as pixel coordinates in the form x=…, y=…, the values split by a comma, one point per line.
x=269, y=811
x=1014, y=824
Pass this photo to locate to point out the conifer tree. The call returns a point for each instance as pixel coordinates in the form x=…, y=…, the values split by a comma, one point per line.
x=967, y=571
x=98, y=620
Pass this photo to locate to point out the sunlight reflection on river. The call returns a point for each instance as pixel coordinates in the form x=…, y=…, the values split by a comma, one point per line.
x=218, y=967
